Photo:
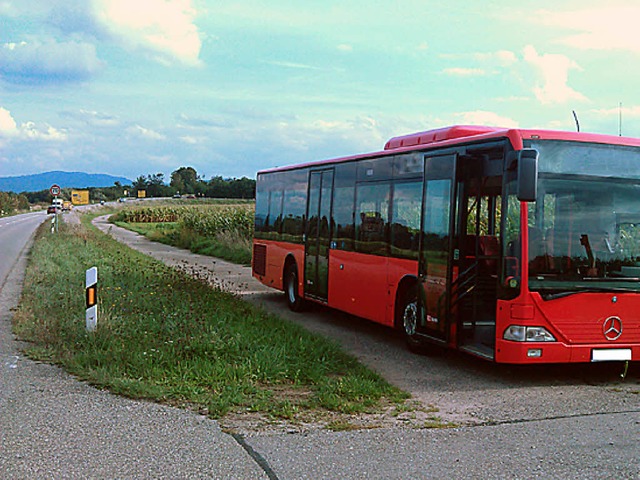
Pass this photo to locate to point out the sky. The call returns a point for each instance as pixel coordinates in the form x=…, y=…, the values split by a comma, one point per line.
x=141, y=87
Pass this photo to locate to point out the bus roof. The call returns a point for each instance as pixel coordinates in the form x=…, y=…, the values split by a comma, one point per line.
x=456, y=134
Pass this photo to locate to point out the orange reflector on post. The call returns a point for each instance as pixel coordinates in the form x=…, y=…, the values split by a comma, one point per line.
x=91, y=297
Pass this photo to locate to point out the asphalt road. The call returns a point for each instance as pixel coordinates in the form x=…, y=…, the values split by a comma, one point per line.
x=14, y=233
x=553, y=422
x=52, y=426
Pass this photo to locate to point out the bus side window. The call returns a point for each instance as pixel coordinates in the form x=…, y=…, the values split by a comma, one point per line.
x=294, y=206
x=405, y=219
x=372, y=210
x=343, y=217
x=262, y=208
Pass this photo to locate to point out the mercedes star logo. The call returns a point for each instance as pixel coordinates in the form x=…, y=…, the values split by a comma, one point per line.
x=612, y=328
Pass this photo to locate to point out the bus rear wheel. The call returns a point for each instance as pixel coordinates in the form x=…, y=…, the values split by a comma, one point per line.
x=294, y=301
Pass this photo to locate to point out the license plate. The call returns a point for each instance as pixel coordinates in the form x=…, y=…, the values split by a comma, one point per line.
x=610, y=354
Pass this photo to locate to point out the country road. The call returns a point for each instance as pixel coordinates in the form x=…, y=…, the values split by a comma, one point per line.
x=14, y=234
x=52, y=426
x=553, y=422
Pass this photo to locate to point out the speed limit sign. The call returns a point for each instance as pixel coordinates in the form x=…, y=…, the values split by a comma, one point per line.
x=54, y=190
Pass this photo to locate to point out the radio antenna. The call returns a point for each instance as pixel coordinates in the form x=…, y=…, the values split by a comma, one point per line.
x=575, y=117
x=620, y=119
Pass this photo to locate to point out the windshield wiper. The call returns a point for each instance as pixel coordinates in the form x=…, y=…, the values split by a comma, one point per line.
x=553, y=296
x=611, y=279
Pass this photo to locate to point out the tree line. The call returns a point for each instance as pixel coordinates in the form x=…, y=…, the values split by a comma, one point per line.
x=184, y=181
x=11, y=203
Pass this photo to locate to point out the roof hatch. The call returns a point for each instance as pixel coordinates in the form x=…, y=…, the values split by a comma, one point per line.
x=438, y=135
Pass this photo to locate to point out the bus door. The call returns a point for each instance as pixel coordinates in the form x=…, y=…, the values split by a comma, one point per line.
x=474, y=290
x=318, y=234
x=435, y=258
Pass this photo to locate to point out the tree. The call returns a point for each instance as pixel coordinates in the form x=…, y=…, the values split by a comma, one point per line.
x=156, y=186
x=185, y=180
x=12, y=202
x=219, y=187
x=140, y=183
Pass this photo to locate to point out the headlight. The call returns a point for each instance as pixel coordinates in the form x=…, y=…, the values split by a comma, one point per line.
x=520, y=333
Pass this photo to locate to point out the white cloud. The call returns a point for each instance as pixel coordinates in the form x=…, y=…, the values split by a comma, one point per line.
x=164, y=27
x=7, y=123
x=93, y=118
x=553, y=70
x=464, y=72
x=616, y=111
x=483, y=117
x=190, y=140
x=300, y=66
x=501, y=57
x=9, y=129
x=139, y=131
x=49, y=133
x=48, y=61
x=608, y=27
x=480, y=63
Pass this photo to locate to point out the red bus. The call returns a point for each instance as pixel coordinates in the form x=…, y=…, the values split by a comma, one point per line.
x=518, y=246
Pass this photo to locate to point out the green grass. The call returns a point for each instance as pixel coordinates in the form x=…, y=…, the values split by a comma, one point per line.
x=226, y=245
x=164, y=336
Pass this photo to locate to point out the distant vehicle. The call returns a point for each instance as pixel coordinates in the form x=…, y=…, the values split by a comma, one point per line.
x=122, y=199
x=177, y=195
x=52, y=209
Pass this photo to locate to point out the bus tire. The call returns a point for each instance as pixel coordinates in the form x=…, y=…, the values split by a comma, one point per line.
x=408, y=321
x=294, y=301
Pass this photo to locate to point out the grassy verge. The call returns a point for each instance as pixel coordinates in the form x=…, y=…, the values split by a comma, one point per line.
x=226, y=245
x=167, y=337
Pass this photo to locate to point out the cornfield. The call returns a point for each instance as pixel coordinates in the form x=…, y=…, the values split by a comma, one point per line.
x=210, y=222
x=151, y=214
x=205, y=220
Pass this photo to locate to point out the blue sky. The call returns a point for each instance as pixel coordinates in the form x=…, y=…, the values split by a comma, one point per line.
x=231, y=87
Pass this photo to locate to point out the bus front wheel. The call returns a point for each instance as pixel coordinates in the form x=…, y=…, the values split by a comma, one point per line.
x=408, y=321
x=294, y=301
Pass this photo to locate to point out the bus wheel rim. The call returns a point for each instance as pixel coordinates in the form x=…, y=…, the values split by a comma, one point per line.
x=410, y=318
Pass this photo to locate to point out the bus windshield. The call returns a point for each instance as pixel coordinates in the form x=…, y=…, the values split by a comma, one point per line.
x=584, y=228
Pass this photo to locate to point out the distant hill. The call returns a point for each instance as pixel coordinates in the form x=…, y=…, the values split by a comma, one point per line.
x=43, y=181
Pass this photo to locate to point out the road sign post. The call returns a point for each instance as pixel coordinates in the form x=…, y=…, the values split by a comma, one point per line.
x=91, y=282
x=55, y=191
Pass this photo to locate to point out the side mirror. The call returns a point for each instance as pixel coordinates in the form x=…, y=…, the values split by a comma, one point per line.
x=527, y=175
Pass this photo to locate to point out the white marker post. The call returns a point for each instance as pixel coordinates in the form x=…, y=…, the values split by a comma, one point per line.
x=92, y=299
x=55, y=191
